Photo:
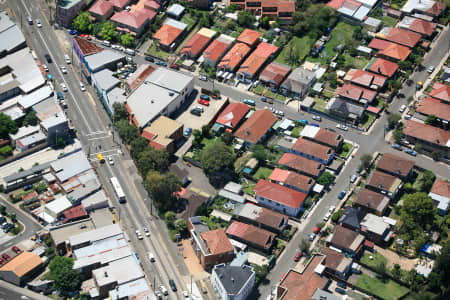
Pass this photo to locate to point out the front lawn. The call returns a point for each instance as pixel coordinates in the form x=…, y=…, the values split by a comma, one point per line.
x=367, y=120
x=301, y=45
x=296, y=131
x=155, y=51
x=384, y=289
x=259, y=89
x=262, y=173
x=345, y=150
x=248, y=188
x=355, y=62
x=320, y=104
x=189, y=21
x=269, y=94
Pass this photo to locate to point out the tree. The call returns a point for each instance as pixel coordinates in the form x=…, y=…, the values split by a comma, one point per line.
x=30, y=119
x=152, y=159
x=357, y=33
x=245, y=19
x=417, y=209
x=162, y=188
x=126, y=131
x=398, y=135
x=366, y=161
x=227, y=138
x=418, y=243
x=393, y=120
x=66, y=279
x=138, y=146
x=96, y=28
x=13, y=217
x=82, y=22
x=108, y=31
x=265, y=22
x=442, y=267
x=405, y=65
x=230, y=8
x=127, y=39
x=170, y=218
x=396, y=271
x=198, y=138
x=59, y=142
x=304, y=245
x=432, y=120
x=425, y=182
x=6, y=150
x=260, y=272
x=7, y=126
x=325, y=179
x=181, y=226
x=259, y=152
x=120, y=112
x=204, y=22
x=380, y=267
x=216, y=158
x=332, y=79
x=2, y=210
x=206, y=131
x=436, y=155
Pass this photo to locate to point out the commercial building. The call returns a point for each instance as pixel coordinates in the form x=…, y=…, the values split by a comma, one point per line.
x=69, y=166
x=21, y=268
x=163, y=133
x=67, y=10
x=106, y=59
x=233, y=282
x=11, y=36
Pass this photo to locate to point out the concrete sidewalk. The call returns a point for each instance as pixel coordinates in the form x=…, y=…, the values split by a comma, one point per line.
x=26, y=294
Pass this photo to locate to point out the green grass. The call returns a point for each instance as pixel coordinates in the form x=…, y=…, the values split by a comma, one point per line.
x=355, y=62
x=190, y=22
x=262, y=173
x=269, y=94
x=387, y=290
x=377, y=258
x=368, y=119
x=281, y=97
x=296, y=131
x=249, y=189
x=157, y=52
x=259, y=89
x=327, y=94
x=301, y=45
x=345, y=149
x=389, y=21
x=320, y=104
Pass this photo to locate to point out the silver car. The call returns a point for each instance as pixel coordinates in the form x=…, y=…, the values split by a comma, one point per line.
x=63, y=87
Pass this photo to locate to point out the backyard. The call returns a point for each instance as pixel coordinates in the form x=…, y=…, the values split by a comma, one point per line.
x=301, y=45
x=320, y=104
x=262, y=173
x=384, y=289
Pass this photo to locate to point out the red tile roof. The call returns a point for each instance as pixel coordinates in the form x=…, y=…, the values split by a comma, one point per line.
x=313, y=149
x=30, y=196
x=441, y=92
x=135, y=19
x=280, y=194
x=86, y=47
x=423, y=27
x=372, y=200
x=151, y=4
x=403, y=37
x=291, y=178
x=437, y=9
x=275, y=73
x=427, y=133
x=233, y=114
x=395, y=51
x=249, y=37
x=332, y=259
x=430, y=106
x=101, y=7
x=139, y=76
x=195, y=45
x=167, y=34
x=301, y=164
x=217, y=241
x=256, y=60
x=74, y=213
x=285, y=6
x=344, y=238
x=215, y=50
x=379, y=44
x=256, y=126
x=234, y=56
x=120, y=3
x=356, y=93
x=336, y=4
x=384, y=67
x=441, y=187
x=395, y=164
x=382, y=180
x=252, y=234
x=365, y=78
x=328, y=137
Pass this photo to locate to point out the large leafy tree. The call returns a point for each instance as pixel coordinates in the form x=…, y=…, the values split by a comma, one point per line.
x=108, y=31
x=417, y=210
x=138, y=146
x=82, y=22
x=245, y=19
x=366, y=159
x=162, y=187
x=30, y=119
x=127, y=39
x=440, y=277
x=120, y=112
x=152, y=159
x=66, y=279
x=7, y=125
x=217, y=162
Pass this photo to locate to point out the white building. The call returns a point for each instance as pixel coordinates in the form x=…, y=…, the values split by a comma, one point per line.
x=232, y=282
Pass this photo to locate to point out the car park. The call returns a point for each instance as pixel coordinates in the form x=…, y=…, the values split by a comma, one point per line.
x=402, y=108
x=342, y=194
x=163, y=290
x=48, y=58
x=146, y=231
x=298, y=255
x=397, y=147
x=203, y=102
x=187, y=132
x=172, y=285
x=63, y=87
x=196, y=112
x=411, y=152
x=82, y=88
x=38, y=23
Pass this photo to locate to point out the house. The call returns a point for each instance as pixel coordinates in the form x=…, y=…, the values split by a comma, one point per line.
x=134, y=21
x=212, y=247
x=282, y=9
x=249, y=37
x=253, y=64
x=354, y=11
x=234, y=57
x=440, y=193
x=233, y=115
x=394, y=52
x=21, y=268
x=384, y=183
x=292, y=180
x=120, y=4
x=400, y=36
x=365, y=79
x=345, y=110
x=347, y=240
x=197, y=43
x=322, y=136
x=371, y=202
x=312, y=150
x=337, y=264
x=427, y=7
x=441, y=92
x=256, y=128
x=175, y=11
x=153, y=5
x=299, y=81
x=163, y=133
x=170, y=34
x=431, y=138
x=372, y=24
x=279, y=198
x=429, y=106
x=232, y=282
x=302, y=284
x=351, y=218
x=261, y=217
x=216, y=50
x=356, y=94
x=375, y=229
x=274, y=74
x=383, y=67
x=67, y=10
x=396, y=166
x=251, y=235
x=420, y=26
x=101, y=10
x=301, y=165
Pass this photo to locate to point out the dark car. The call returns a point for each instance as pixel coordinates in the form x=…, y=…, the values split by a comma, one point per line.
x=340, y=291
x=196, y=111
x=27, y=187
x=73, y=32
x=172, y=285
x=150, y=59
x=341, y=284
x=8, y=228
x=174, y=66
x=411, y=152
x=263, y=99
x=2, y=220
x=342, y=194
x=48, y=58
x=2, y=261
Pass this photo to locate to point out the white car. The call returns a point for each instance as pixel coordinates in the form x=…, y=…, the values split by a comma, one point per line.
x=64, y=69
x=63, y=87
x=115, y=47
x=82, y=88
x=408, y=116
x=185, y=295
x=317, y=118
x=163, y=290
x=45, y=68
x=38, y=23
x=129, y=59
x=327, y=216
x=139, y=235
x=342, y=127
x=402, y=108
x=151, y=257
x=203, y=78
x=146, y=231
x=280, y=113
x=111, y=160
x=331, y=209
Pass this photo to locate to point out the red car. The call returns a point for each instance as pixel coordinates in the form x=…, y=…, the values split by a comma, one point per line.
x=2, y=261
x=203, y=102
x=175, y=66
x=6, y=256
x=16, y=249
x=316, y=230
x=82, y=36
x=298, y=255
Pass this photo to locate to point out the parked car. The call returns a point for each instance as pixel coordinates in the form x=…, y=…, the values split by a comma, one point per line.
x=342, y=127
x=280, y=113
x=303, y=122
x=106, y=43
x=327, y=216
x=341, y=284
x=59, y=95
x=6, y=256
x=298, y=255
x=430, y=69
x=314, y=124
x=316, y=230
x=317, y=118
x=311, y=237
x=408, y=116
x=185, y=295
x=16, y=249
x=174, y=66
x=63, y=69
x=342, y=194
x=151, y=257
x=397, y=147
x=402, y=108
x=163, y=290
x=187, y=132
x=204, y=290
x=263, y=99
x=158, y=295
x=411, y=152
x=82, y=88
x=27, y=187
x=172, y=285
x=2, y=261
x=331, y=209
x=63, y=87
x=48, y=58
x=203, y=102
x=203, y=77
x=353, y=178
x=150, y=59
x=38, y=23
x=29, y=20
x=196, y=111
x=161, y=63
x=340, y=291
x=249, y=102
x=73, y=32
x=204, y=97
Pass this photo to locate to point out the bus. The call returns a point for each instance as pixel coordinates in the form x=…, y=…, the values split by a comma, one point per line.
x=118, y=189
x=100, y=158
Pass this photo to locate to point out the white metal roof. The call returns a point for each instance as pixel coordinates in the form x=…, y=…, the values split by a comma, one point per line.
x=129, y=289
x=55, y=120
x=23, y=132
x=101, y=246
x=35, y=97
x=310, y=131
x=105, y=80
x=14, y=112
x=176, y=10
x=71, y=165
x=120, y=271
x=100, y=59
x=177, y=24
x=58, y=205
x=95, y=235
x=11, y=38
x=5, y=21
x=169, y=79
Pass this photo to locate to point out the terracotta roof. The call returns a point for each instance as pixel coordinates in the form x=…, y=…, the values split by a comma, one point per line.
x=430, y=106
x=215, y=50
x=135, y=19
x=167, y=34
x=74, y=213
x=274, y=73
x=30, y=196
x=427, y=133
x=379, y=44
x=217, y=241
x=344, y=238
x=292, y=178
x=195, y=45
x=356, y=93
x=255, y=61
x=441, y=92
x=371, y=199
x=301, y=164
x=332, y=258
x=395, y=164
x=423, y=27
x=301, y=286
x=394, y=12
x=86, y=47
x=384, y=67
x=365, y=78
x=328, y=137
x=396, y=51
x=336, y=4
x=233, y=114
x=280, y=194
x=252, y=234
x=270, y=218
x=101, y=7
x=441, y=187
x=249, y=37
x=403, y=37
x=234, y=56
x=22, y=264
x=285, y=6
x=256, y=126
x=382, y=180
x=313, y=149
x=151, y=4
x=139, y=76
x=120, y=3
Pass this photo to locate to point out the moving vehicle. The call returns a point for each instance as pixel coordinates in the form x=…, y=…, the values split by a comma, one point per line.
x=249, y=102
x=172, y=285
x=411, y=152
x=139, y=235
x=263, y=99
x=63, y=87
x=100, y=158
x=203, y=102
x=48, y=58
x=38, y=23
x=342, y=194
x=203, y=78
x=158, y=295
x=64, y=69
x=196, y=111
x=342, y=127
x=118, y=189
x=317, y=118
x=163, y=290
x=151, y=257
x=302, y=121
x=402, y=108
x=106, y=43
x=397, y=147
x=146, y=231
x=111, y=160
x=298, y=255
x=185, y=295
x=82, y=88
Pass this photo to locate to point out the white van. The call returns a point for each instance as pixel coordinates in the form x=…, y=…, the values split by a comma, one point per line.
x=67, y=59
x=106, y=43
x=130, y=52
x=151, y=257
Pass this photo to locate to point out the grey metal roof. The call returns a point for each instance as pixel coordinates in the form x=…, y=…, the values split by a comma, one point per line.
x=35, y=97
x=34, y=170
x=116, y=95
x=5, y=21
x=361, y=13
x=31, y=139
x=14, y=112
x=345, y=107
x=100, y=59
x=83, y=191
x=372, y=22
x=298, y=79
x=71, y=165
x=172, y=80
x=231, y=196
x=95, y=235
x=11, y=38
x=176, y=10
x=320, y=294
x=105, y=80
x=23, y=66
x=233, y=278
x=23, y=132
x=177, y=24
x=53, y=121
